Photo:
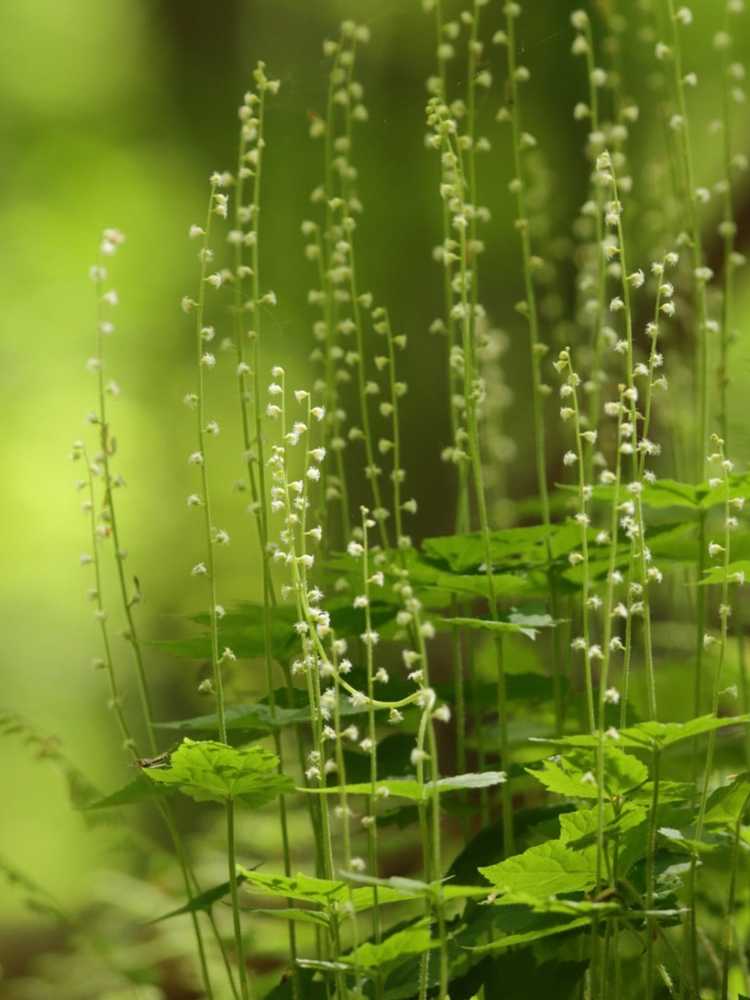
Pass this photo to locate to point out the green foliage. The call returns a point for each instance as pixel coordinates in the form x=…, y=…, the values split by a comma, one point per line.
x=574, y=774
x=208, y=771
x=541, y=871
x=412, y=789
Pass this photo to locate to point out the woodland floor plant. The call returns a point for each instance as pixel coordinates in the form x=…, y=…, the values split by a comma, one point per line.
x=486, y=783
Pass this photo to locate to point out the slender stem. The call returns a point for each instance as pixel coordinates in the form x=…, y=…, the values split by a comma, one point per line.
x=537, y=349
x=650, y=872
x=200, y=410
x=251, y=161
x=232, y=864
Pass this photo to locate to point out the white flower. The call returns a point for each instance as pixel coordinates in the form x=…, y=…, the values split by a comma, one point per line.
x=570, y=458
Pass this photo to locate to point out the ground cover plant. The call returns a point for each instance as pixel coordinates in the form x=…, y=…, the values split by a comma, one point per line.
x=485, y=775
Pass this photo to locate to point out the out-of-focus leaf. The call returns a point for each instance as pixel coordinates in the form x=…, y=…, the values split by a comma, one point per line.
x=516, y=624
x=408, y=788
x=735, y=572
x=137, y=790
x=727, y=805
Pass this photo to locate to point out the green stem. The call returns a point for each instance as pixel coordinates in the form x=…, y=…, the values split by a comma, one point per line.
x=238, y=943
x=650, y=865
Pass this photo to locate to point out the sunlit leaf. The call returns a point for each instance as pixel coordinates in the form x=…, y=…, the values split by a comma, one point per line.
x=574, y=775
x=543, y=870
x=411, y=941
x=654, y=735
x=208, y=771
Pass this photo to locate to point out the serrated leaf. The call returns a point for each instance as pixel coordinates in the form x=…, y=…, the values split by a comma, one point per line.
x=208, y=771
x=653, y=735
x=413, y=940
x=410, y=788
x=541, y=871
x=574, y=775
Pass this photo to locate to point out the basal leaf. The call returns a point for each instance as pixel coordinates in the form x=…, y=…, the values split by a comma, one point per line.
x=544, y=870
x=208, y=771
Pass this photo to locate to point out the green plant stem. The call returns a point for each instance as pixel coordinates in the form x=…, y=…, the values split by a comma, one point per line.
x=650, y=864
x=206, y=499
x=372, y=828
x=724, y=612
x=536, y=348
x=729, y=922
x=697, y=247
x=116, y=705
x=241, y=963
x=258, y=490
x=601, y=272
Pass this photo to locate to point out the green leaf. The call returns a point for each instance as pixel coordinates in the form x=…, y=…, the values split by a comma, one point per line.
x=204, y=901
x=653, y=735
x=208, y=771
x=736, y=572
x=324, y=892
x=523, y=974
x=297, y=916
x=412, y=940
x=554, y=927
x=311, y=988
x=574, y=774
x=139, y=789
x=727, y=805
x=252, y=722
x=517, y=624
x=541, y=871
x=661, y=494
x=410, y=788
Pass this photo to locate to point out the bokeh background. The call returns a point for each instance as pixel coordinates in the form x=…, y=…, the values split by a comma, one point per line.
x=114, y=114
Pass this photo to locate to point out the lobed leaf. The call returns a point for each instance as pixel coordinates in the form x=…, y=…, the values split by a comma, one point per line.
x=544, y=870
x=208, y=771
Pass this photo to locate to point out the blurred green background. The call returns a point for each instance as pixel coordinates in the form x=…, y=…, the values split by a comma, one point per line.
x=114, y=114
